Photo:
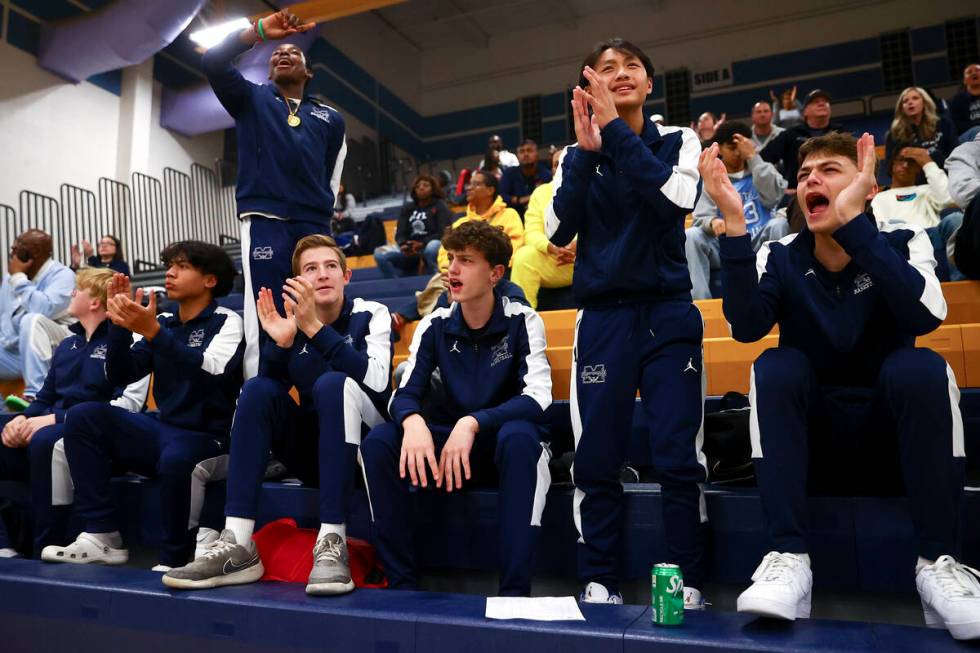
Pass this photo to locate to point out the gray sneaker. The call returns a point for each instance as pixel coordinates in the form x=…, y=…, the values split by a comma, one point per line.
x=331, y=567
x=224, y=562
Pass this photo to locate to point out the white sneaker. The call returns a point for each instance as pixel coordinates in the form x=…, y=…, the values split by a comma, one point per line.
x=693, y=599
x=161, y=568
x=205, y=537
x=597, y=593
x=781, y=588
x=86, y=549
x=7, y=552
x=950, y=594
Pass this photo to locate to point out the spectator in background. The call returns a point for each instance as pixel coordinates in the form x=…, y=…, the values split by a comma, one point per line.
x=491, y=163
x=34, y=315
x=504, y=158
x=787, y=110
x=110, y=255
x=342, y=226
x=963, y=169
x=763, y=130
x=706, y=126
x=485, y=203
x=919, y=205
x=761, y=188
x=344, y=204
x=917, y=124
x=420, y=226
x=964, y=107
x=517, y=183
x=784, y=150
x=540, y=262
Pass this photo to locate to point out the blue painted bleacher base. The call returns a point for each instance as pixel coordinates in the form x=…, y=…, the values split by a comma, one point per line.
x=89, y=608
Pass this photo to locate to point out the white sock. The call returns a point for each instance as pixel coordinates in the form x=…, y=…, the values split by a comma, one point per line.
x=339, y=529
x=805, y=557
x=922, y=562
x=242, y=528
x=113, y=539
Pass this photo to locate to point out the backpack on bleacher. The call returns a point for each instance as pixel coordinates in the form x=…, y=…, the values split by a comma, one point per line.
x=727, y=444
x=369, y=234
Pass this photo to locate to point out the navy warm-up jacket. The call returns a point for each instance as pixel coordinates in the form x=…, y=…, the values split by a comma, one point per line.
x=498, y=374
x=627, y=203
x=283, y=172
x=847, y=322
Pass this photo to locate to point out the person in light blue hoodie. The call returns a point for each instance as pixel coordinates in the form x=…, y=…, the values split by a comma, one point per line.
x=34, y=315
x=760, y=186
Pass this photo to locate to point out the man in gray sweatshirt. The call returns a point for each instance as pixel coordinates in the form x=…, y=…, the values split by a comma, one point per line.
x=963, y=170
x=761, y=188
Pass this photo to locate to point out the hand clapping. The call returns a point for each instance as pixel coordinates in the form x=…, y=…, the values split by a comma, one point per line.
x=129, y=313
x=281, y=329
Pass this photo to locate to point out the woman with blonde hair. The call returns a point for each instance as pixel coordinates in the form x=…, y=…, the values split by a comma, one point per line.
x=917, y=123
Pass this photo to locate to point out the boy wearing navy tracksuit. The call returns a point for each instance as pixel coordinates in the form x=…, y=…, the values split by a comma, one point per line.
x=625, y=188
x=195, y=356
x=491, y=353
x=336, y=351
x=846, y=403
x=32, y=449
x=291, y=150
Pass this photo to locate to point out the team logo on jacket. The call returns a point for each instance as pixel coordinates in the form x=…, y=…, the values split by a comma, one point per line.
x=304, y=350
x=262, y=253
x=196, y=338
x=349, y=339
x=593, y=374
x=322, y=114
x=455, y=348
x=500, y=352
x=862, y=282
x=99, y=352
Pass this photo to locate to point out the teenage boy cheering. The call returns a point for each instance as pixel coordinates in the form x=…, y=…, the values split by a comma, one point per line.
x=846, y=402
x=497, y=385
x=291, y=150
x=625, y=188
x=195, y=356
x=336, y=351
x=32, y=449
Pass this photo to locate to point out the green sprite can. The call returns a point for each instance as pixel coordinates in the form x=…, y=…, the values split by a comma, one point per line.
x=667, y=594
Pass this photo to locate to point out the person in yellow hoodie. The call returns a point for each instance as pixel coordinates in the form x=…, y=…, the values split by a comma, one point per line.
x=483, y=202
x=539, y=262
